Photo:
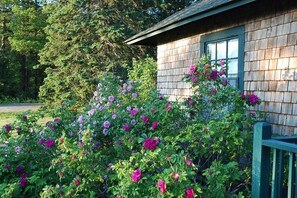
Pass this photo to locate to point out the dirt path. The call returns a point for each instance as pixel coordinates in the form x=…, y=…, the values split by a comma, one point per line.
x=19, y=107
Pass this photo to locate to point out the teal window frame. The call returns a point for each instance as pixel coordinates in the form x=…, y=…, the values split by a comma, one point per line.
x=236, y=32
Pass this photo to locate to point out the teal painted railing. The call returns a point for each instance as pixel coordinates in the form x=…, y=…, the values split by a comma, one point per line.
x=274, y=171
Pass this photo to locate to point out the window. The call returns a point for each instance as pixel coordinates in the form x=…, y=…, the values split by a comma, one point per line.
x=227, y=45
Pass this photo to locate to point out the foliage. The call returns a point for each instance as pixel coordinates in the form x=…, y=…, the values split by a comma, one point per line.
x=145, y=71
x=22, y=37
x=129, y=143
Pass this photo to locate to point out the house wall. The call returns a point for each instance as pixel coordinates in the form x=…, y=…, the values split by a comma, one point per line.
x=270, y=69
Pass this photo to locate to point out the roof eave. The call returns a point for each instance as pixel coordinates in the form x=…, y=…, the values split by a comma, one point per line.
x=141, y=38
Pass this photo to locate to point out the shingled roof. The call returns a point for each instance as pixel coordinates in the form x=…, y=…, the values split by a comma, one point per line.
x=197, y=11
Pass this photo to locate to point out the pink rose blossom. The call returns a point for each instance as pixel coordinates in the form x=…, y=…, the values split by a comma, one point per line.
x=195, y=79
x=7, y=127
x=242, y=96
x=192, y=69
x=214, y=74
x=222, y=62
x=49, y=143
x=144, y=119
x=175, y=176
x=57, y=120
x=189, y=193
x=188, y=162
x=76, y=182
x=253, y=99
x=134, y=111
x=126, y=128
x=162, y=186
x=150, y=144
x=136, y=175
x=222, y=72
x=154, y=125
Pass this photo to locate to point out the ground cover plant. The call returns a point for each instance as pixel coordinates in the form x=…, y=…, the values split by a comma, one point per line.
x=131, y=142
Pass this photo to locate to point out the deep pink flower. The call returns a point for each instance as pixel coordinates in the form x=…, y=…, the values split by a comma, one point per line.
x=24, y=175
x=225, y=81
x=222, y=72
x=136, y=175
x=76, y=182
x=167, y=107
x=213, y=91
x=242, y=96
x=154, y=125
x=23, y=182
x=49, y=143
x=134, y=111
x=126, y=128
x=144, y=119
x=150, y=144
x=57, y=120
x=19, y=169
x=7, y=166
x=188, y=162
x=253, y=99
x=192, y=69
x=175, y=176
x=41, y=140
x=7, y=127
x=222, y=62
x=214, y=74
x=52, y=127
x=195, y=79
x=189, y=193
x=162, y=186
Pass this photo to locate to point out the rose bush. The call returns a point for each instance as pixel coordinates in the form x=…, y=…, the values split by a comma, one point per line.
x=130, y=142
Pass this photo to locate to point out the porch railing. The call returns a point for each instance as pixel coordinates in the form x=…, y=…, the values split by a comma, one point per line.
x=274, y=171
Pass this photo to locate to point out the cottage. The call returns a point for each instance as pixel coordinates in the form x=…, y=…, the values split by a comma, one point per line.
x=258, y=38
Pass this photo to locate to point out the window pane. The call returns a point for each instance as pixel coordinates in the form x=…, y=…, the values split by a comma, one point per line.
x=221, y=50
x=211, y=50
x=233, y=48
x=232, y=68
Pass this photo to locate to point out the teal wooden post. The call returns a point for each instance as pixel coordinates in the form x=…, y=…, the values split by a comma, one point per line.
x=261, y=161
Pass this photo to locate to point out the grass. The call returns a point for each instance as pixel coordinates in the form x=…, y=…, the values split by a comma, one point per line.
x=10, y=117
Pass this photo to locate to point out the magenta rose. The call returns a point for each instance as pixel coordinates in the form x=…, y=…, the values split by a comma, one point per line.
x=195, y=79
x=189, y=193
x=7, y=127
x=49, y=143
x=126, y=128
x=150, y=144
x=162, y=186
x=242, y=96
x=253, y=99
x=214, y=74
x=154, y=125
x=134, y=111
x=144, y=119
x=57, y=120
x=192, y=69
x=23, y=182
x=136, y=175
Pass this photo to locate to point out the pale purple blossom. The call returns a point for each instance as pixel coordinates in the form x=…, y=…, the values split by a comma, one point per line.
x=91, y=112
x=134, y=95
x=128, y=108
x=96, y=93
x=129, y=88
x=17, y=149
x=114, y=116
x=125, y=85
x=111, y=98
x=124, y=92
x=106, y=124
x=133, y=122
x=105, y=131
x=101, y=108
x=80, y=119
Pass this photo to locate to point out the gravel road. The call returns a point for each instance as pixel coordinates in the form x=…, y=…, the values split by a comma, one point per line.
x=19, y=107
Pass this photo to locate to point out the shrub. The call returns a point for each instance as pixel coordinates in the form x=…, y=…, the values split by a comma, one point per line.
x=131, y=143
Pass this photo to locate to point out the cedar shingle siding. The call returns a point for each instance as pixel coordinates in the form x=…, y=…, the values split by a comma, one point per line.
x=270, y=58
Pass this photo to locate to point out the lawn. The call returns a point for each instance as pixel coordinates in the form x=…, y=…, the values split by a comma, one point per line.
x=10, y=117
